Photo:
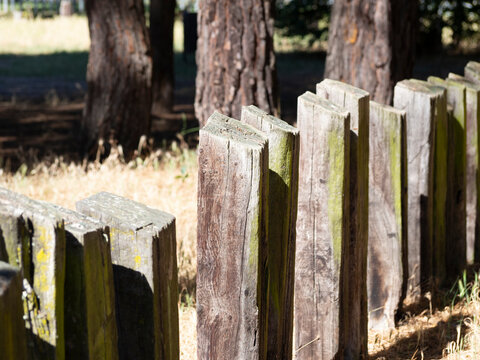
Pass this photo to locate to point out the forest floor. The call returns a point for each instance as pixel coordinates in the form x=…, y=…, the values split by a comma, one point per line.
x=42, y=88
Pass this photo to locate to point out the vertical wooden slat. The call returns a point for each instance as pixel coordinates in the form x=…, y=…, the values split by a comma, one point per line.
x=357, y=102
x=387, y=235
x=472, y=71
x=143, y=246
x=423, y=103
x=322, y=278
x=283, y=150
x=232, y=232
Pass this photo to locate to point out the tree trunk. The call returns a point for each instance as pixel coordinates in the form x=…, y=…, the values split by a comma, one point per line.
x=118, y=75
x=372, y=44
x=235, y=58
x=162, y=16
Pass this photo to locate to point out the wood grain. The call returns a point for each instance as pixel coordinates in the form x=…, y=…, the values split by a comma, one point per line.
x=232, y=236
x=321, y=263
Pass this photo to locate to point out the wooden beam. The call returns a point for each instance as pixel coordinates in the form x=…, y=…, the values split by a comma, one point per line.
x=472, y=71
x=232, y=233
x=283, y=150
x=322, y=279
x=143, y=247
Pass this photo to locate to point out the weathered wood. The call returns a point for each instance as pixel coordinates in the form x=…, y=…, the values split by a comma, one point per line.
x=90, y=326
x=283, y=151
x=322, y=278
x=387, y=234
x=143, y=246
x=472, y=166
x=231, y=236
x=455, y=242
x=13, y=343
x=472, y=71
x=44, y=300
x=422, y=102
x=357, y=102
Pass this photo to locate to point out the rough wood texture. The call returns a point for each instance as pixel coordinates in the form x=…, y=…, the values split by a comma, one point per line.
x=119, y=74
x=455, y=214
x=321, y=263
x=422, y=102
x=283, y=151
x=90, y=326
x=44, y=287
x=372, y=44
x=232, y=235
x=12, y=330
x=235, y=58
x=357, y=102
x=472, y=71
x=472, y=166
x=143, y=246
x=387, y=233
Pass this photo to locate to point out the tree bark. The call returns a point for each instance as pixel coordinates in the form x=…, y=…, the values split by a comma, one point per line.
x=235, y=58
x=162, y=16
x=118, y=75
x=372, y=44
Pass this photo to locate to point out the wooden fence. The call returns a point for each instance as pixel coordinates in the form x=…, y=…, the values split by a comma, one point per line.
x=307, y=236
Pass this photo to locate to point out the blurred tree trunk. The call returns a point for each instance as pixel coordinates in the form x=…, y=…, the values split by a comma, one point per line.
x=119, y=74
x=162, y=15
x=235, y=57
x=372, y=44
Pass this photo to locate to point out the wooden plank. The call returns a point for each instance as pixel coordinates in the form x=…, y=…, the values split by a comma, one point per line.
x=12, y=329
x=321, y=276
x=421, y=101
x=472, y=71
x=456, y=241
x=472, y=166
x=143, y=247
x=44, y=287
x=357, y=102
x=283, y=152
x=90, y=326
x=387, y=235
x=231, y=238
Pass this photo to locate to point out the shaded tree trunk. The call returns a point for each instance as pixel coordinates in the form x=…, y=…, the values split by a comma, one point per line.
x=119, y=74
x=372, y=44
x=162, y=16
x=235, y=58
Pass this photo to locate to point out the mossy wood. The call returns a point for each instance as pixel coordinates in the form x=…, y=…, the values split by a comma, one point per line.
x=357, y=102
x=472, y=166
x=90, y=325
x=283, y=150
x=232, y=238
x=44, y=253
x=455, y=210
x=322, y=279
x=143, y=248
x=472, y=71
x=387, y=235
x=13, y=343
x=425, y=106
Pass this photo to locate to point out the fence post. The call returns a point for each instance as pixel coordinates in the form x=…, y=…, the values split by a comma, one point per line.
x=472, y=166
x=232, y=233
x=90, y=326
x=387, y=233
x=283, y=150
x=472, y=71
x=424, y=104
x=357, y=102
x=455, y=242
x=322, y=278
x=12, y=328
x=45, y=277
x=143, y=247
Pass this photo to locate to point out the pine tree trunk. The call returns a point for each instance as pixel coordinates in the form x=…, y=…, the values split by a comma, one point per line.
x=235, y=58
x=118, y=75
x=162, y=16
x=372, y=44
